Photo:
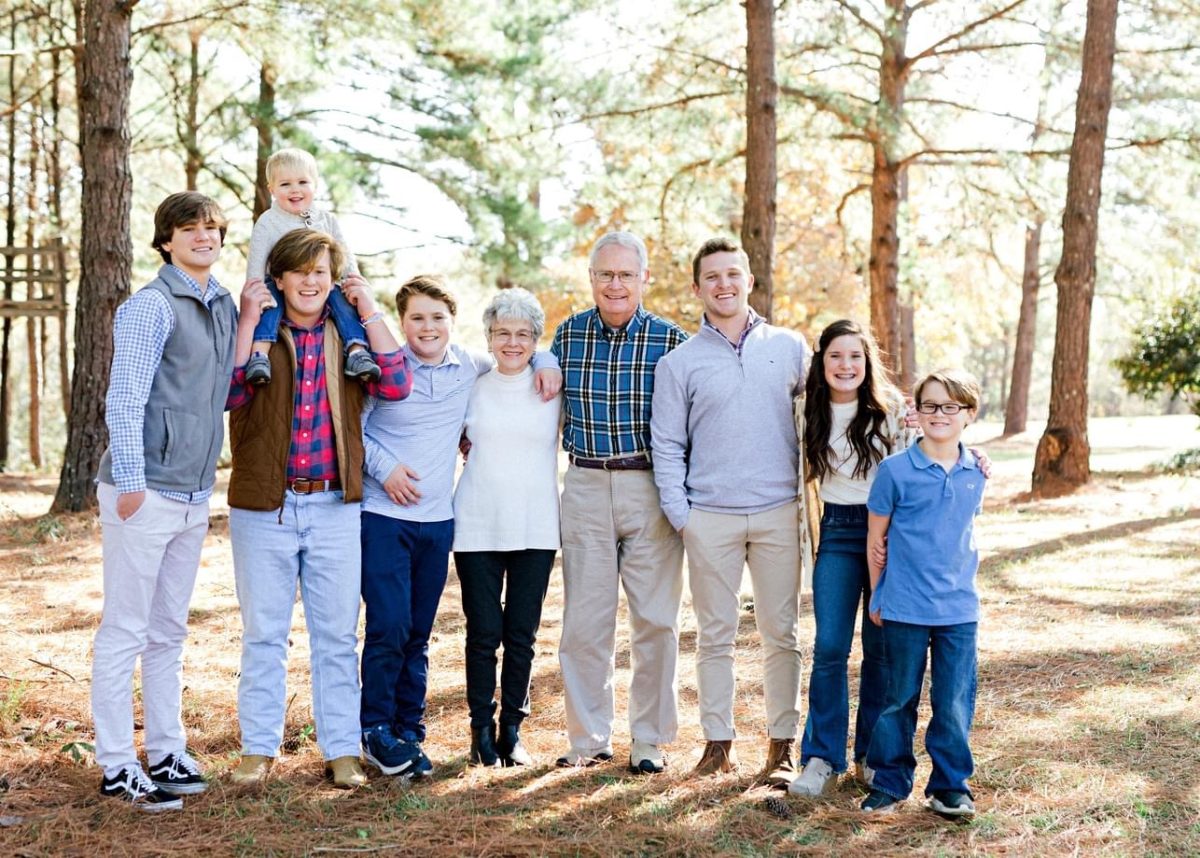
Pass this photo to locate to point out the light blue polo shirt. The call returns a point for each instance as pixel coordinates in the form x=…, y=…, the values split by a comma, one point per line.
x=929, y=579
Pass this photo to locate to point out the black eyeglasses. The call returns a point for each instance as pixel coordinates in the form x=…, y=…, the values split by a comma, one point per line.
x=947, y=408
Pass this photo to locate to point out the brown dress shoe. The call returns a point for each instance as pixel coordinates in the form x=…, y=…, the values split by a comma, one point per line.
x=346, y=773
x=253, y=769
x=717, y=757
x=779, y=770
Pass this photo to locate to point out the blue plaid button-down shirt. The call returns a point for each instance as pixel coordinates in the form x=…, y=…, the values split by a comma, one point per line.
x=142, y=326
x=608, y=380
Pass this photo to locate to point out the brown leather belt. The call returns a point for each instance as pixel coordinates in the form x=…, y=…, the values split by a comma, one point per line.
x=302, y=486
x=640, y=462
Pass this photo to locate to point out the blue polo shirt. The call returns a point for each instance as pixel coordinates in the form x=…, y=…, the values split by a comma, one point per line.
x=929, y=579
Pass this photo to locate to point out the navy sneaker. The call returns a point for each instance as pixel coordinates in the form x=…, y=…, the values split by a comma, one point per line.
x=423, y=767
x=390, y=755
x=131, y=785
x=178, y=774
x=879, y=803
x=950, y=803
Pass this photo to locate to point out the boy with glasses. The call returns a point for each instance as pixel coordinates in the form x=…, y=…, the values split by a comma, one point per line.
x=924, y=502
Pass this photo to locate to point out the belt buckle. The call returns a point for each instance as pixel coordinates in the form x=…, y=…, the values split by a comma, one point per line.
x=605, y=463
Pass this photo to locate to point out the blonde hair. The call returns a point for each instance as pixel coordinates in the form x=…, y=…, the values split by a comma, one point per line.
x=429, y=285
x=960, y=384
x=294, y=159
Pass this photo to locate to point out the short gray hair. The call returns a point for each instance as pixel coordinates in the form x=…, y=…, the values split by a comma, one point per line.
x=519, y=305
x=625, y=239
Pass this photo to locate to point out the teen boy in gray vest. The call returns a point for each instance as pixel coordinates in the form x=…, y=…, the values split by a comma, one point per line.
x=172, y=363
x=725, y=461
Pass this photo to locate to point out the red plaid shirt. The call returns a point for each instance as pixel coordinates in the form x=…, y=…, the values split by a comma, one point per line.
x=312, y=454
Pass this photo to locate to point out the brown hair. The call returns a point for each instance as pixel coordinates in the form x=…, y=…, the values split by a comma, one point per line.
x=718, y=245
x=868, y=431
x=430, y=285
x=960, y=384
x=301, y=249
x=183, y=209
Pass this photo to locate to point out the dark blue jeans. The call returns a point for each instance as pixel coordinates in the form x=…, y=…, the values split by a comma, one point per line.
x=522, y=577
x=952, y=694
x=345, y=318
x=403, y=574
x=841, y=582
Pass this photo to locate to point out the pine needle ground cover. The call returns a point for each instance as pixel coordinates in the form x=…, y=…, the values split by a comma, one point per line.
x=1087, y=734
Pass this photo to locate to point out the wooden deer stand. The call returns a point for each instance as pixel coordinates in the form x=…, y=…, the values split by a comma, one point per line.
x=43, y=270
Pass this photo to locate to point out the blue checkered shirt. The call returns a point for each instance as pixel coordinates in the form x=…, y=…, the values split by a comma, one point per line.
x=608, y=380
x=140, y=332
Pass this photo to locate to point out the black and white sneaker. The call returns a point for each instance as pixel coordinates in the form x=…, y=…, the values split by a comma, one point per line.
x=131, y=785
x=178, y=774
x=951, y=804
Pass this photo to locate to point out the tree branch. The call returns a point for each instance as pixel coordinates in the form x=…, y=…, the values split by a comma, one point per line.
x=858, y=16
x=961, y=33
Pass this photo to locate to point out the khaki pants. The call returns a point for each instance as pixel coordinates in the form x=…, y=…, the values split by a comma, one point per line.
x=718, y=546
x=615, y=535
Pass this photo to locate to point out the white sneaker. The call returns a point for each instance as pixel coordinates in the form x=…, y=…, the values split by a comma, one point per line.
x=646, y=758
x=575, y=758
x=817, y=779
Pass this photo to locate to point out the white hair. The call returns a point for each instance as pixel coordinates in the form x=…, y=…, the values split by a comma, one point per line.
x=624, y=239
x=519, y=305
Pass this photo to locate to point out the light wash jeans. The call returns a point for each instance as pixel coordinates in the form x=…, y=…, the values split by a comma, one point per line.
x=150, y=563
x=314, y=539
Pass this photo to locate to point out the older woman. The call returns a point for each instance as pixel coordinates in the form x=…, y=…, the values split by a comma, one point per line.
x=506, y=526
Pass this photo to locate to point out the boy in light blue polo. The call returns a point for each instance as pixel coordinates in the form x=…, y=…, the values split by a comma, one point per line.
x=924, y=501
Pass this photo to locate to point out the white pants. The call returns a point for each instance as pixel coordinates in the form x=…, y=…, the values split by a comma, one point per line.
x=718, y=547
x=150, y=565
x=614, y=534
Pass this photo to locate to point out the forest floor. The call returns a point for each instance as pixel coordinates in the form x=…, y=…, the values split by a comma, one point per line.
x=1085, y=740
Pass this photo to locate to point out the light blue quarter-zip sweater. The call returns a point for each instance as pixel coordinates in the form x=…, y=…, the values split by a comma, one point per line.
x=722, y=431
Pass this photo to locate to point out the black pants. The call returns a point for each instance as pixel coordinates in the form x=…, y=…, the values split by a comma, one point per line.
x=491, y=622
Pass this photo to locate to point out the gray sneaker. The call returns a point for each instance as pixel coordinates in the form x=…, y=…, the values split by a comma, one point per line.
x=950, y=803
x=818, y=778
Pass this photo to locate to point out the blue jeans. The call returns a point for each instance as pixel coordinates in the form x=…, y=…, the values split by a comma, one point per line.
x=313, y=540
x=841, y=582
x=404, y=567
x=952, y=695
x=345, y=318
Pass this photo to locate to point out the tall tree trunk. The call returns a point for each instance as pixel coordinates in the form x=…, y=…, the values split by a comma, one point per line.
x=264, y=124
x=908, y=348
x=758, y=208
x=1016, y=411
x=106, y=253
x=1062, y=459
x=10, y=239
x=32, y=287
x=886, y=177
x=191, y=143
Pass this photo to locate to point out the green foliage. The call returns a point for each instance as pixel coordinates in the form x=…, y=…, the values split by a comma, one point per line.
x=1165, y=354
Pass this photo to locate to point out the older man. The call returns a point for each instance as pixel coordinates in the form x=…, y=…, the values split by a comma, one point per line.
x=725, y=461
x=613, y=532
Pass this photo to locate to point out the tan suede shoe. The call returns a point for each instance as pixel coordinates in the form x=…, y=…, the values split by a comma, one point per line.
x=253, y=769
x=346, y=773
x=779, y=770
x=718, y=756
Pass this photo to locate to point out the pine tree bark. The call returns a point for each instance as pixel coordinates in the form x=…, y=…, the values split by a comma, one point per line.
x=758, y=209
x=1062, y=459
x=886, y=177
x=264, y=125
x=106, y=253
x=194, y=160
x=32, y=287
x=10, y=238
x=1016, y=410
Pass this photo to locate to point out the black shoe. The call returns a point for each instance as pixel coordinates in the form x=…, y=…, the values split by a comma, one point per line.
x=952, y=804
x=131, y=785
x=879, y=803
x=258, y=369
x=360, y=365
x=483, y=746
x=178, y=774
x=512, y=752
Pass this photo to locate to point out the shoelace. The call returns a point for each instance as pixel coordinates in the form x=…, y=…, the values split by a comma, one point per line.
x=183, y=764
x=138, y=784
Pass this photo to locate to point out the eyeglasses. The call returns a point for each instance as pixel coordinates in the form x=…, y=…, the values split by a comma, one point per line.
x=947, y=408
x=522, y=337
x=627, y=278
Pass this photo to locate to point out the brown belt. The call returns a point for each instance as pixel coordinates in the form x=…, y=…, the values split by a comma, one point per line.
x=302, y=486
x=640, y=462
